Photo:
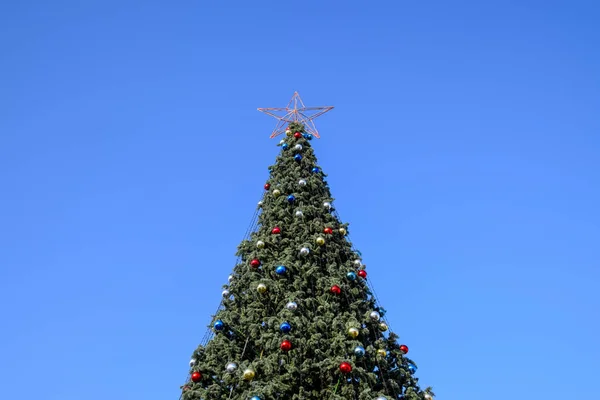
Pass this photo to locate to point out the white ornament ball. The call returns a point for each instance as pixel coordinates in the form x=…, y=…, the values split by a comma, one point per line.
x=381, y=398
x=327, y=205
x=299, y=213
x=260, y=244
x=231, y=367
x=225, y=293
x=304, y=251
x=375, y=316
x=302, y=182
x=230, y=278
x=193, y=362
x=298, y=147
x=292, y=306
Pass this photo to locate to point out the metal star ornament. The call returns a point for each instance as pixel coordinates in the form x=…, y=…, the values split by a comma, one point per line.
x=294, y=113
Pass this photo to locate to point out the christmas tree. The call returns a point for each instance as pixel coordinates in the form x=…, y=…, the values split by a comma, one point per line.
x=298, y=319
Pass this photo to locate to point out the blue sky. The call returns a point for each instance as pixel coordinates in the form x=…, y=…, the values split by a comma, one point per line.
x=463, y=150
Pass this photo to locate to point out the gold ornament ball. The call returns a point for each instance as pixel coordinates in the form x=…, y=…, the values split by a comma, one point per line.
x=353, y=332
x=427, y=396
x=260, y=244
x=276, y=192
x=249, y=374
x=320, y=241
x=383, y=327
x=262, y=288
x=343, y=231
x=288, y=132
x=381, y=352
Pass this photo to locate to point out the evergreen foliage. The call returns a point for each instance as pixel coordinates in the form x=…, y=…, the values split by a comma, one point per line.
x=265, y=305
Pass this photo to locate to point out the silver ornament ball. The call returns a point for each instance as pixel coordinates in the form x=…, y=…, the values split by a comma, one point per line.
x=357, y=263
x=230, y=278
x=299, y=213
x=304, y=251
x=375, y=316
x=292, y=306
x=298, y=147
x=193, y=362
x=231, y=367
x=302, y=182
x=225, y=293
x=327, y=205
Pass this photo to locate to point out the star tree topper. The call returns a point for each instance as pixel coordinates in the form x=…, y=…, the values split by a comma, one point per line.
x=303, y=114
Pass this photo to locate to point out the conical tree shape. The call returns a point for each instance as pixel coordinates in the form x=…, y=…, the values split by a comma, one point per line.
x=298, y=320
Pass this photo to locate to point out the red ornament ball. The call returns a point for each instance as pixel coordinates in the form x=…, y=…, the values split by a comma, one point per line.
x=255, y=263
x=345, y=368
x=404, y=349
x=267, y=186
x=286, y=345
x=276, y=230
x=297, y=135
x=328, y=231
x=196, y=376
x=362, y=273
x=335, y=289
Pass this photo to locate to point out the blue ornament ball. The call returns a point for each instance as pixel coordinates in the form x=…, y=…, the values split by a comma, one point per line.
x=255, y=398
x=285, y=327
x=309, y=136
x=412, y=368
x=359, y=351
x=316, y=170
x=381, y=311
x=284, y=146
x=351, y=276
x=298, y=157
x=219, y=325
x=291, y=198
x=280, y=270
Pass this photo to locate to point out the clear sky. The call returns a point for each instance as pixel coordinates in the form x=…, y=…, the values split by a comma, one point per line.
x=463, y=151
